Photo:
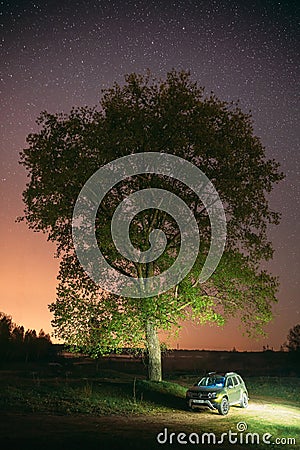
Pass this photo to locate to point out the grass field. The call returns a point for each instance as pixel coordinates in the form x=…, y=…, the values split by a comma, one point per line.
x=137, y=404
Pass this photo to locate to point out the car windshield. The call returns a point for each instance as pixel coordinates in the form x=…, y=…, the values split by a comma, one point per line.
x=215, y=381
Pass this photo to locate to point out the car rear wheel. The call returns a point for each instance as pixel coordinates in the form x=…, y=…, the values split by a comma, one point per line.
x=224, y=407
x=244, y=400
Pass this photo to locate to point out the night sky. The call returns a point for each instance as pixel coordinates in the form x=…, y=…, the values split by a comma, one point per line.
x=59, y=54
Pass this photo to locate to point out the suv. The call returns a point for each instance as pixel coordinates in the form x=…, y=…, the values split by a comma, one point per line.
x=218, y=392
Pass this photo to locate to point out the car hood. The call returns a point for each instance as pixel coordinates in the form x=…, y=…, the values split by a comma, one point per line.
x=204, y=389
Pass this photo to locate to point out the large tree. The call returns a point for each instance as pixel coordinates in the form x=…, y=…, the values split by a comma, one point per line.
x=147, y=115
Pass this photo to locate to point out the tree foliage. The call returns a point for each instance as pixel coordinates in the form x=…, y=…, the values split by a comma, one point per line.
x=173, y=116
x=18, y=345
x=293, y=339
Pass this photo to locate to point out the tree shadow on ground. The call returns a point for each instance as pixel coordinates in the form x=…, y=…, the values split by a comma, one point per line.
x=167, y=395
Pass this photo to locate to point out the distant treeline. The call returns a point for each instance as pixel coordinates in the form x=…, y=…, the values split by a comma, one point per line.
x=16, y=344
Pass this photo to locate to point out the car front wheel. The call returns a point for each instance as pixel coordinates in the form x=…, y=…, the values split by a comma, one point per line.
x=223, y=407
x=244, y=401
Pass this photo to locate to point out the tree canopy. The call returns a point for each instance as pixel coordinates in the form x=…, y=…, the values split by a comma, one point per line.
x=16, y=344
x=293, y=339
x=167, y=116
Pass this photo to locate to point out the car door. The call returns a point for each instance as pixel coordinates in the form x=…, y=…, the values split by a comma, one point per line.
x=236, y=391
x=230, y=389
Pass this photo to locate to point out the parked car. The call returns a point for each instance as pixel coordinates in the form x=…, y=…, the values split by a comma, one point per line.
x=218, y=391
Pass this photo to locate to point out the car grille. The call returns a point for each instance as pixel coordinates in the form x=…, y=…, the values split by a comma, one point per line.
x=202, y=395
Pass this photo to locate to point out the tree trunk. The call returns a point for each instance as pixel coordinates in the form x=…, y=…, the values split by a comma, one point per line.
x=154, y=353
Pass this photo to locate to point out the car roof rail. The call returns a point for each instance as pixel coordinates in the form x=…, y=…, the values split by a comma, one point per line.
x=229, y=373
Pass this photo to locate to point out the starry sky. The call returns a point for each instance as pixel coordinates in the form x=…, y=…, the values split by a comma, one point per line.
x=59, y=54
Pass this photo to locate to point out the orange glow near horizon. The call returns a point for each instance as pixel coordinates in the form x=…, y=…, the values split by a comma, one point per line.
x=28, y=284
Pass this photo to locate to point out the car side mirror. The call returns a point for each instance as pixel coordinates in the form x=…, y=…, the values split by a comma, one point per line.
x=230, y=387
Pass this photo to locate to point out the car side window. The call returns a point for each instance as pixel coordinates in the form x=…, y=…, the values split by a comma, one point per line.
x=229, y=382
x=235, y=381
x=240, y=380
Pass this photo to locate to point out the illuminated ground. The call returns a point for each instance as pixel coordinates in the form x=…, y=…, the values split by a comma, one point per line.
x=139, y=432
